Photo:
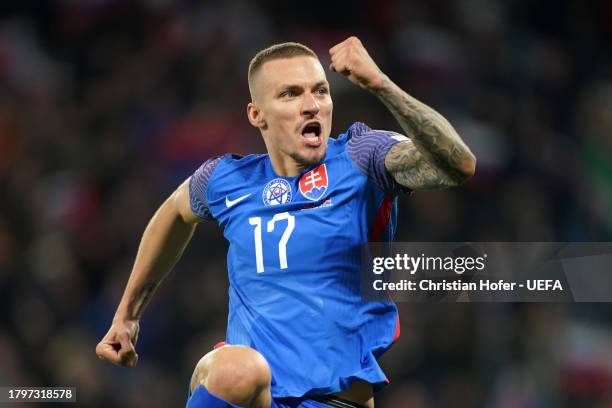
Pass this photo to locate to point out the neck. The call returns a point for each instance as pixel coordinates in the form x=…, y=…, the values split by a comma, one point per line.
x=285, y=166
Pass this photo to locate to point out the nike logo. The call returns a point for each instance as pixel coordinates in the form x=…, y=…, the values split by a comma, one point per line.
x=229, y=203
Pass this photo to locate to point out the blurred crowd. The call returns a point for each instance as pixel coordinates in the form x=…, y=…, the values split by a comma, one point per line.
x=107, y=105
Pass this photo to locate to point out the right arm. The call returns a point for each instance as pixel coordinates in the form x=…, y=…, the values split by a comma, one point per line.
x=161, y=246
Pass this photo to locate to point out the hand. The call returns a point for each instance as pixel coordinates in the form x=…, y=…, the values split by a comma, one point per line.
x=351, y=59
x=117, y=346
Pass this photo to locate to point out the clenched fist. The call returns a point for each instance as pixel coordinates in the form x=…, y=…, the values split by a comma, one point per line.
x=117, y=346
x=351, y=59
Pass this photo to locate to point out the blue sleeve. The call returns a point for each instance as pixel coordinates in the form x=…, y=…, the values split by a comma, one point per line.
x=198, y=184
x=367, y=148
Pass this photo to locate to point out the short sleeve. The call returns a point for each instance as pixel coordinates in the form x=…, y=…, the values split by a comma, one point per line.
x=368, y=148
x=198, y=184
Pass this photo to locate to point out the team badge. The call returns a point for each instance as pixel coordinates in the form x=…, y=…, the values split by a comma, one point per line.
x=314, y=183
x=277, y=191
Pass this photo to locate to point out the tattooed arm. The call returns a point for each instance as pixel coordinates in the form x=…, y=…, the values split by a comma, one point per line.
x=161, y=246
x=435, y=156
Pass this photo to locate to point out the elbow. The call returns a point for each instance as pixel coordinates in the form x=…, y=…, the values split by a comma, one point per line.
x=466, y=168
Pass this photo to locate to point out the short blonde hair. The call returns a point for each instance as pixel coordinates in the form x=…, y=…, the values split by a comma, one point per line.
x=278, y=51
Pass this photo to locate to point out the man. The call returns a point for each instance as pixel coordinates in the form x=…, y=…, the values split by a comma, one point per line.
x=299, y=334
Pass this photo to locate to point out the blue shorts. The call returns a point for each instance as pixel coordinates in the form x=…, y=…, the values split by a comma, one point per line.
x=201, y=398
x=323, y=401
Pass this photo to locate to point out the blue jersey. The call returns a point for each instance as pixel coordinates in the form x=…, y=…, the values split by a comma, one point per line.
x=294, y=259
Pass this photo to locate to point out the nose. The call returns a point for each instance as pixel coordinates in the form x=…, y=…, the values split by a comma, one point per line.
x=310, y=107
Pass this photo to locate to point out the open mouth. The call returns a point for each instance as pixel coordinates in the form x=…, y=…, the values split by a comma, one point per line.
x=311, y=133
x=312, y=129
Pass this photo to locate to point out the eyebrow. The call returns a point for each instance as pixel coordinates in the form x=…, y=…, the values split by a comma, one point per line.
x=289, y=86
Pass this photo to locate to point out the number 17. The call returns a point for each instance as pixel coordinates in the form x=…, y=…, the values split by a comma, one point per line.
x=282, y=244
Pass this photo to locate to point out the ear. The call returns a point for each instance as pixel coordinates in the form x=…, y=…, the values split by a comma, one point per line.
x=255, y=117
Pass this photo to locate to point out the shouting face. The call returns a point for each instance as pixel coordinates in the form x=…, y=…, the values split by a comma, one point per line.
x=292, y=107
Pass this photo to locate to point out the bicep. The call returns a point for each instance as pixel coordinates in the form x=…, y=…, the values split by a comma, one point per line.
x=182, y=204
x=410, y=168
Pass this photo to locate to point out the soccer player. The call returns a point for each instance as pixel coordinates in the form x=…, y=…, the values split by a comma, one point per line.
x=298, y=334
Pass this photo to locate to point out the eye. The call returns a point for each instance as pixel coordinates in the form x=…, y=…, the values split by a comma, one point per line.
x=289, y=93
x=322, y=91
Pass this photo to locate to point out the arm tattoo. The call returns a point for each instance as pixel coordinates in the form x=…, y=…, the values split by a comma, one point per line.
x=411, y=169
x=437, y=158
x=141, y=299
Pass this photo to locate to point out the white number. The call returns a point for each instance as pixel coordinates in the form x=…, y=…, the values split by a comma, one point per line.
x=256, y=221
x=282, y=244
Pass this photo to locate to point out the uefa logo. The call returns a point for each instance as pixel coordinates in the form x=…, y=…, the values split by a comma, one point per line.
x=277, y=191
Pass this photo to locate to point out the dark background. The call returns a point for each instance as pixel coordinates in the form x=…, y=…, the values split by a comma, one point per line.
x=107, y=105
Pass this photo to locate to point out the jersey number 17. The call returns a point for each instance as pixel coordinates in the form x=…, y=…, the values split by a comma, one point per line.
x=282, y=244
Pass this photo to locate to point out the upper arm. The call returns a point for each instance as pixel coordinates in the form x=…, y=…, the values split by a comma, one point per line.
x=191, y=198
x=182, y=203
x=367, y=150
x=410, y=168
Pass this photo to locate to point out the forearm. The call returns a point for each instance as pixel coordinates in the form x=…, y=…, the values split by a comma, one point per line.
x=161, y=246
x=432, y=135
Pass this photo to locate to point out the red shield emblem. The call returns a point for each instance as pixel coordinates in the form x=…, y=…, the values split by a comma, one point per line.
x=314, y=183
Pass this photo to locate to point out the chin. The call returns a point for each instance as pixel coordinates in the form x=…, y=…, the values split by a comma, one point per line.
x=310, y=159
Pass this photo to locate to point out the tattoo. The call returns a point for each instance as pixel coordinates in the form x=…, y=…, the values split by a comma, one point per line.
x=141, y=299
x=437, y=157
x=411, y=169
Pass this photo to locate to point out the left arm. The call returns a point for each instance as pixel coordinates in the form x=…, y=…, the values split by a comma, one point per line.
x=435, y=156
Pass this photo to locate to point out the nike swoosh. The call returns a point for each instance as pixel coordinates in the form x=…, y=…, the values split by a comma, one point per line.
x=229, y=203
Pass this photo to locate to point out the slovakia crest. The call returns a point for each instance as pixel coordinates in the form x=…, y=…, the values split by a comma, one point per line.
x=314, y=183
x=277, y=191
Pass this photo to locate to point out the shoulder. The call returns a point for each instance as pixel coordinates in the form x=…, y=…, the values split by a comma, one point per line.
x=231, y=162
x=360, y=132
x=237, y=169
x=355, y=130
x=223, y=166
x=367, y=149
x=361, y=141
x=219, y=174
x=340, y=143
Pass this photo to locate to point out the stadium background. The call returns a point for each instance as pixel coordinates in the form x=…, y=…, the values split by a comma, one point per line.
x=107, y=105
